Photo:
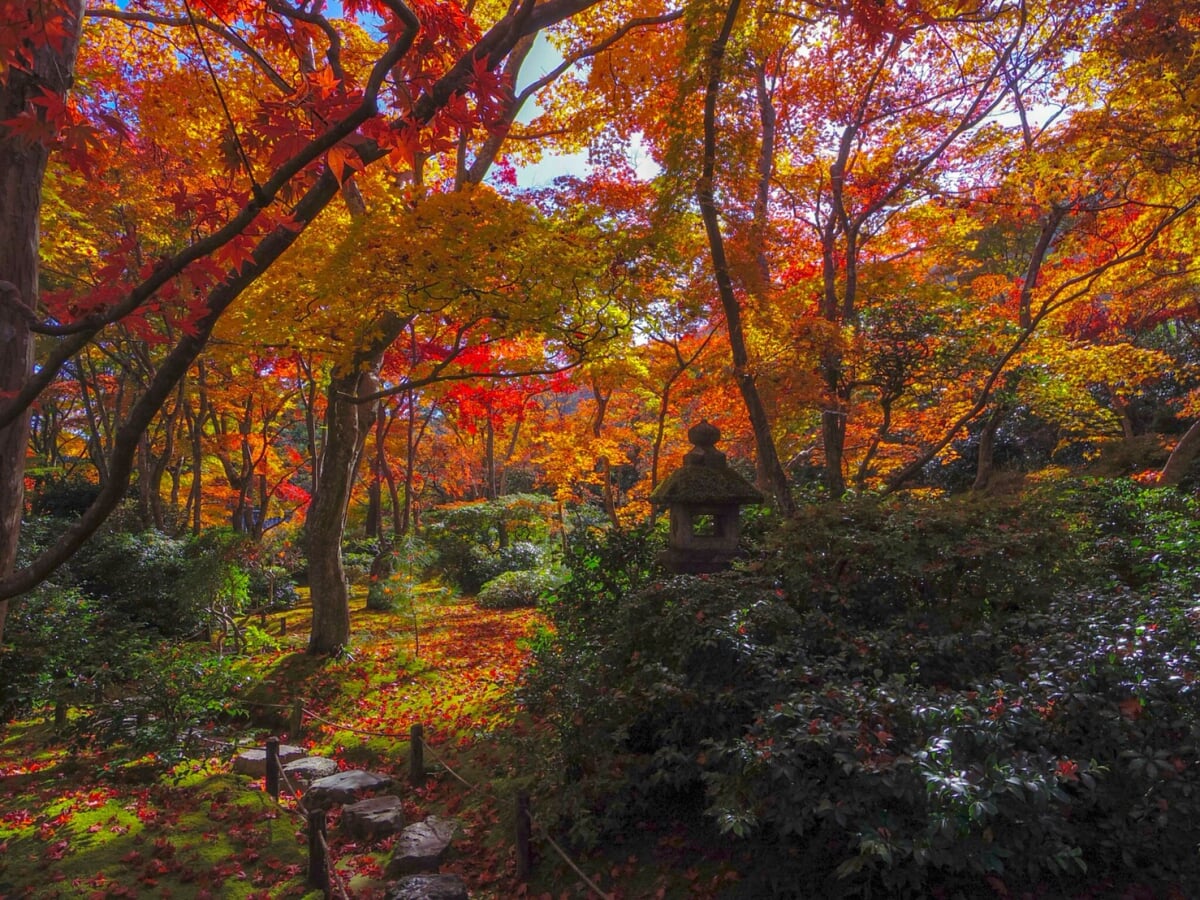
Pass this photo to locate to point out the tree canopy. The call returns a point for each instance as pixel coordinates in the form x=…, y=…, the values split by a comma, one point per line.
x=273, y=264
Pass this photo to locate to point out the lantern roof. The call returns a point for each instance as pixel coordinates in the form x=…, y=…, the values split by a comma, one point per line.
x=705, y=478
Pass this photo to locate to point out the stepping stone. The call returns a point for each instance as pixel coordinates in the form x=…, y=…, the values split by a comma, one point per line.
x=374, y=818
x=421, y=846
x=344, y=787
x=303, y=772
x=254, y=762
x=429, y=887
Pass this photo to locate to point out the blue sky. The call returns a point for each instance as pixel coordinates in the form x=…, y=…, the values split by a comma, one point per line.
x=542, y=59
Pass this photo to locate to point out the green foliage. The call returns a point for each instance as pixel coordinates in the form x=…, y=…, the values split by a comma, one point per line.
x=358, y=555
x=475, y=542
x=272, y=587
x=63, y=644
x=61, y=496
x=902, y=700
x=178, y=686
x=510, y=590
x=958, y=557
x=140, y=579
x=396, y=574
x=76, y=637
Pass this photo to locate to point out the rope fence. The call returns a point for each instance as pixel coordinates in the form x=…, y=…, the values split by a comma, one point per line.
x=321, y=868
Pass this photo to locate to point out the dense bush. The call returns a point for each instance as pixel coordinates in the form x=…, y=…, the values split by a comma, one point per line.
x=960, y=558
x=272, y=587
x=510, y=590
x=903, y=700
x=61, y=643
x=179, y=686
x=475, y=542
x=358, y=555
x=139, y=579
x=77, y=635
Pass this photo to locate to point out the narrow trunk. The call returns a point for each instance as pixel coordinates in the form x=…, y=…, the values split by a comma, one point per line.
x=346, y=425
x=22, y=168
x=833, y=440
x=1181, y=457
x=489, y=457
x=374, y=524
x=768, y=457
x=985, y=466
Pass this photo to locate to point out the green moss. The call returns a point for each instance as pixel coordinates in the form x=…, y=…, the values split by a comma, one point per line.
x=705, y=485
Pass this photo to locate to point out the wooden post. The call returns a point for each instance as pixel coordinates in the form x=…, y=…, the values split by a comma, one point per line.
x=273, y=767
x=296, y=725
x=416, y=756
x=60, y=715
x=262, y=617
x=318, y=871
x=282, y=625
x=524, y=849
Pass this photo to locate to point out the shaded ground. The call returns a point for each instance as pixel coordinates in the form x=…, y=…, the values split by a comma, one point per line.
x=98, y=822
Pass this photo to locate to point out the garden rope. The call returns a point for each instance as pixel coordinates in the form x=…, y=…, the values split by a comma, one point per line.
x=559, y=850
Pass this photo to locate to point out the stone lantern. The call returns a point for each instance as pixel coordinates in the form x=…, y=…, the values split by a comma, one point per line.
x=703, y=497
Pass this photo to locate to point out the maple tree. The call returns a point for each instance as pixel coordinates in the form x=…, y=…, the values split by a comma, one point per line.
x=880, y=228
x=311, y=127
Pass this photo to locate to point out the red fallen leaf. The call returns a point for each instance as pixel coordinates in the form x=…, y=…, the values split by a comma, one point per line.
x=157, y=867
x=58, y=849
x=132, y=858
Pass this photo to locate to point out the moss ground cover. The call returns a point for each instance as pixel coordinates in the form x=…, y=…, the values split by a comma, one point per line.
x=95, y=821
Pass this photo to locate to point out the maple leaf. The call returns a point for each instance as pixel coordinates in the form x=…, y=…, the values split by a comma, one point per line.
x=343, y=162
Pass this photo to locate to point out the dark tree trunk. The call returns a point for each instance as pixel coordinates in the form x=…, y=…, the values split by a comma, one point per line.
x=985, y=466
x=1181, y=457
x=346, y=426
x=768, y=456
x=347, y=422
x=22, y=168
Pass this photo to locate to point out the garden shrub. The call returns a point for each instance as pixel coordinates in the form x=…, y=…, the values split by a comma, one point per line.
x=140, y=579
x=477, y=541
x=940, y=699
x=59, y=643
x=358, y=556
x=272, y=587
x=510, y=590
x=179, y=686
x=76, y=636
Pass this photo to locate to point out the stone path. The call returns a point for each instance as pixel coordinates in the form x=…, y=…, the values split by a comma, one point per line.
x=370, y=813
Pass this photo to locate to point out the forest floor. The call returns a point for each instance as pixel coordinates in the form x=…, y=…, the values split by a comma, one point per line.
x=99, y=822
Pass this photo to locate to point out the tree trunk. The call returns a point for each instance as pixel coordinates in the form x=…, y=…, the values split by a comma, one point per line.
x=768, y=456
x=833, y=439
x=347, y=422
x=346, y=426
x=22, y=168
x=1181, y=457
x=985, y=466
x=374, y=524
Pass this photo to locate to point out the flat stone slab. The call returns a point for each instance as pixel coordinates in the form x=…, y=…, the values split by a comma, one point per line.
x=308, y=769
x=421, y=846
x=344, y=787
x=254, y=762
x=375, y=818
x=429, y=887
